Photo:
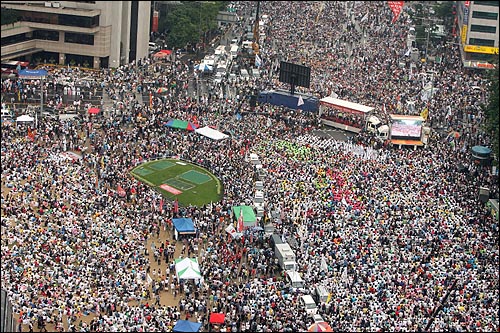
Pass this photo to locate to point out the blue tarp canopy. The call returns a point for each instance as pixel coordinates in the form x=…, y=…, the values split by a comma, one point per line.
x=186, y=326
x=184, y=225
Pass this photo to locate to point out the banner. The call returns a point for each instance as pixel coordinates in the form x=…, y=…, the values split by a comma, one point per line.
x=463, y=35
x=396, y=7
x=481, y=49
x=156, y=15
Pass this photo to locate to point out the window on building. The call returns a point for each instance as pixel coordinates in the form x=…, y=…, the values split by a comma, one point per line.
x=483, y=28
x=485, y=15
x=46, y=35
x=70, y=37
x=486, y=3
x=481, y=42
x=78, y=21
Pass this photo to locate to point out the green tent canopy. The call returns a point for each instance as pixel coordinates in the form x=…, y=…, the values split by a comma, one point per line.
x=249, y=218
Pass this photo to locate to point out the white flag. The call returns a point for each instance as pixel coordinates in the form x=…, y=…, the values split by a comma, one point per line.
x=301, y=101
x=258, y=61
x=364, y=17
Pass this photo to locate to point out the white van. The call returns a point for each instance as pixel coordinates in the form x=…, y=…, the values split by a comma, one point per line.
x=321, y=294
x=295, y=280
x=254, y=159
x=244, y=74
x=307, y=302
x=234, y=51
x=6, y=113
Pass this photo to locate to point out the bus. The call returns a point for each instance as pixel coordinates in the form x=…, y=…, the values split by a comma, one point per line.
x=343, y=114
x=10, y=68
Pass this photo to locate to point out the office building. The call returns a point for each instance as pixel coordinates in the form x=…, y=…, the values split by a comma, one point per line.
x=95, y=34
x=478, y=28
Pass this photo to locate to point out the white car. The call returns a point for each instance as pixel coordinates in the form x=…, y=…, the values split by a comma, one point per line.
x=317, y=318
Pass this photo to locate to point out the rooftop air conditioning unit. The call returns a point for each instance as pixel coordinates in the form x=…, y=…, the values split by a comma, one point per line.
x=48, y=4
x=56, y=4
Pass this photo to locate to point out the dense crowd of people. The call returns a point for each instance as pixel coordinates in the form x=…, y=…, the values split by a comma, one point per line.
x=397, y=236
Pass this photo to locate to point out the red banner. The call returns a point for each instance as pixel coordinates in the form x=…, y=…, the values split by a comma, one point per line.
x=396, y=7
x=156, y=15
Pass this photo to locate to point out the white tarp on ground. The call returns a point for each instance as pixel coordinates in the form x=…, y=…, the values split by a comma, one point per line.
x=211, y=133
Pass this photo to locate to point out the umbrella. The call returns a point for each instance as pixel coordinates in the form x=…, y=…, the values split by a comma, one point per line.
x=321, y=326
x=203, y=67
x=94, y=110
x=162, y=90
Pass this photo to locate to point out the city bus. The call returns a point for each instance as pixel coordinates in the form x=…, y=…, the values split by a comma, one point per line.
x=10, y=68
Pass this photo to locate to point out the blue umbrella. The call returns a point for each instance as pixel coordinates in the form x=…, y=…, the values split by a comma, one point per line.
x=203, y=67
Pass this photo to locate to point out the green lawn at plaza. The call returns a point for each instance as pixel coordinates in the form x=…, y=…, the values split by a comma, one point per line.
x=198, y=185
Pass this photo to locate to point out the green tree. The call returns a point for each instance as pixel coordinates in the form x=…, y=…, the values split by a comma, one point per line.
x=187, y=22
x=492, y=110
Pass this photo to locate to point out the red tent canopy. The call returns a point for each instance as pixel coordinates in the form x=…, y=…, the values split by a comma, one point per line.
x=162, y=53
x=94, y=110
x=217, y=318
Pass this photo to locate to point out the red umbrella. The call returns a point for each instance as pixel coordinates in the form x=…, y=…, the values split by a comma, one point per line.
x=94, y=110
x=217, y=318
x=321, y=326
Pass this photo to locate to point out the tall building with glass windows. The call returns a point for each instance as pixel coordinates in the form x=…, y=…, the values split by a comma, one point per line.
x=95, y=34
x=478, y=26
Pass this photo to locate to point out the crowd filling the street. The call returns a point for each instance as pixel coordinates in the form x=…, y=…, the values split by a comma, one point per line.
x=396, y=236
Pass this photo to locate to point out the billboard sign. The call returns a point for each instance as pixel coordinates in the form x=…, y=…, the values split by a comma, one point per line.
x=32, y=74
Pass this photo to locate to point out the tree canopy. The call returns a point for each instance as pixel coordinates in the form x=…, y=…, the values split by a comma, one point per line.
x=492, y=110
x=188, y=22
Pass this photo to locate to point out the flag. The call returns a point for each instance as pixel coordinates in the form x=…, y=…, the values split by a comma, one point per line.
x=150, y=100
x=301, y=101
x=364, y=18
x=396, y=7
x=240, y=221
x=120, y=191
x=176, y=205
x=258, y=61
x=161, y=205
x=425, y=113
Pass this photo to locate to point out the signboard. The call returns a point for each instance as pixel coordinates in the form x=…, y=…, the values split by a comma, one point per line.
x=463, y=35
x=466, y=15
x=481, y=49
x=32, y=74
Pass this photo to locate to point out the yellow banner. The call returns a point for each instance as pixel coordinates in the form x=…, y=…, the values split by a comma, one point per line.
x=481, y=49
x=463, y=35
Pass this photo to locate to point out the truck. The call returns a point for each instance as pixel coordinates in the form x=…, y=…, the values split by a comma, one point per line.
x=234, y=51
x=284, y=98
x=286, y=257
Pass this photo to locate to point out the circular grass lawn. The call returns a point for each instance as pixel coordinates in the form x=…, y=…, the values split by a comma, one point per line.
x=173, y=178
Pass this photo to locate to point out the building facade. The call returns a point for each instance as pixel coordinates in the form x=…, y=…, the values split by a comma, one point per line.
x=95, y=34
x=478, y=28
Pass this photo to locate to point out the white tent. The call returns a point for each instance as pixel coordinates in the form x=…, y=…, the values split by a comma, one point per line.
x=211, y=133
x=187, y=269
x=25, y=118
